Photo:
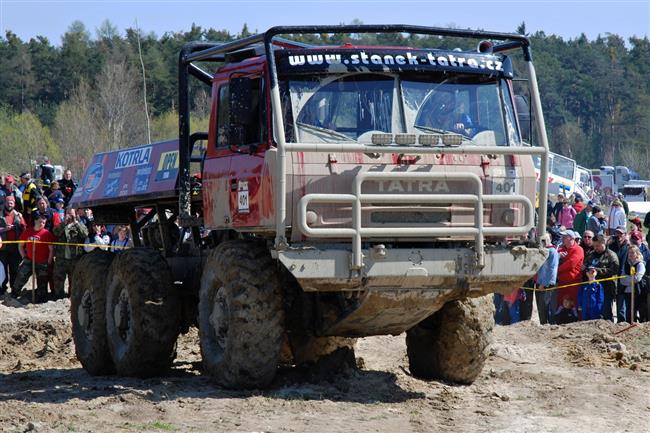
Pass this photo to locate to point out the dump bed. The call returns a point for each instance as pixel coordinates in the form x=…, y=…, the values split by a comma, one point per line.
x=134, y=176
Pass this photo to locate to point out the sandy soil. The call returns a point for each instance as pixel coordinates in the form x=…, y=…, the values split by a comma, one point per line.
x=574, y=378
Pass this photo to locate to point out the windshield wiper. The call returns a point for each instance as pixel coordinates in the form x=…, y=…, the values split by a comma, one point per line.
x=325, y=131
x=434, y=130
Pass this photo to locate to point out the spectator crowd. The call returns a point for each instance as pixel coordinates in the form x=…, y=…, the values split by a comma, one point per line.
x=39, y=210
x=595, y=268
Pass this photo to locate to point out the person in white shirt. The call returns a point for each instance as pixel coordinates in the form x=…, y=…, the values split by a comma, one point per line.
x=122, y=241
x=616, y=217
x=96, y=237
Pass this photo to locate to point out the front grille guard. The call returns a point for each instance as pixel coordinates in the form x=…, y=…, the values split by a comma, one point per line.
x=357, y=199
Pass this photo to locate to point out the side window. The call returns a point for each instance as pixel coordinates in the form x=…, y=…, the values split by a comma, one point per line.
x=223, y=115
x=490, y=113
x=254, y=133
x=250, y=128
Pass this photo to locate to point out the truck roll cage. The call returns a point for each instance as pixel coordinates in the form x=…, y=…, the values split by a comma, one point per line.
x=193, y=53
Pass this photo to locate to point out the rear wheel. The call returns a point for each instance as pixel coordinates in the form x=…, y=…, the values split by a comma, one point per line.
x=453, y=343
x=88, y=312
x=142, y=313
x=241, y=316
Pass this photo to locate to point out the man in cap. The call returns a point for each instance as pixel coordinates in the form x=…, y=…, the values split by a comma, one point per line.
x=545, y=278
x=12, y=225
x=67, y=186
x=70, y=232
x=596, y=222
x=636, y=238
x=570, y=268
x=587, y=241
x=606, y=264
x=37, y=249
x=10, y=188
x=616, y=217
x=618, y=242
x=31, y=193
x=47, y=171
x=578, y=204
x=580, y=221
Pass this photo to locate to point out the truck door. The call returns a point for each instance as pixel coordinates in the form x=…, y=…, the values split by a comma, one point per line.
x=216, y=168
x=250, y=182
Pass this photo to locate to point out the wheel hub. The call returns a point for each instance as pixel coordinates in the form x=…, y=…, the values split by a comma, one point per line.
x=122, y=315
x=219, y=318
x=84, y=313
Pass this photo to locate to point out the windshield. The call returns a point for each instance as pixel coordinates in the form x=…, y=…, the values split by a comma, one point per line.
x=353, y=107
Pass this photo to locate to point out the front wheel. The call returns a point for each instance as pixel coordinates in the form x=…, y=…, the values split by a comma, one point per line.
x=453, y=343
x=241, y=315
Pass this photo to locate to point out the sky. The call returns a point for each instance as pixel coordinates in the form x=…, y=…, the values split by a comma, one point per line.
x=566, y=18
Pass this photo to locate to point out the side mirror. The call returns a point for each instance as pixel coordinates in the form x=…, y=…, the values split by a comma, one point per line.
x=524, y=117
x=240, y=109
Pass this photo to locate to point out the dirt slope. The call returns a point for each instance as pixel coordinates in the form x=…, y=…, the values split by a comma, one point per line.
x=575, y=378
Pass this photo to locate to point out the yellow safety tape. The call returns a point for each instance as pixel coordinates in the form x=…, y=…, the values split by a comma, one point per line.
x=63, y=243
x=549, y=289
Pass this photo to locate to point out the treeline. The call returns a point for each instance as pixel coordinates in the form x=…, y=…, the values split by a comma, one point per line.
x=110, y=90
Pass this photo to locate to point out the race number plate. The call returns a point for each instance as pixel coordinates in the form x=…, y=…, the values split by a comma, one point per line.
x=506, y=185
x=242, y=197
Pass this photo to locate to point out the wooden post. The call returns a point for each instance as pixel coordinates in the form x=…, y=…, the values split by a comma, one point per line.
x=632, y=312
x=33, y=271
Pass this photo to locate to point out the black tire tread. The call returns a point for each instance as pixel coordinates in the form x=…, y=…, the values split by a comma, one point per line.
x=453, y=343
x=155, y=313
x=249, y=277
x=89, y=275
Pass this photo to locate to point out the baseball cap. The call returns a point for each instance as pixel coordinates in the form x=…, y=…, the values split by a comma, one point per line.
x=637, y=235
x=25, y=175
x=571, y=233
x=9, y=178
x=38, y=215
x=59, y=200
x=620, y=229
x=590, y=203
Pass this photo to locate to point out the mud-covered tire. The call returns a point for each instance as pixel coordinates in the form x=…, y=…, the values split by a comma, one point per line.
x=142, y=313
x=309, y=349
x=241, y=315
x=88, y=312
x=453, y=343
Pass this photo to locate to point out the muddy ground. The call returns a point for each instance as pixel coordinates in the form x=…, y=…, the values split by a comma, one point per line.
x=573, y=378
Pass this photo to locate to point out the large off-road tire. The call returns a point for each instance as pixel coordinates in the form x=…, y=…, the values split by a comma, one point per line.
x=453, y=343
x=241, y=315
x=88, y=312
x=142, y=313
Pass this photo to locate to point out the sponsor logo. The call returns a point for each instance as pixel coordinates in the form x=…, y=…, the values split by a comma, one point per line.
x=142, y=179
x=167, y=166
x=93, y=177
x=407, y=58
x=133, y=157
x=412, y=186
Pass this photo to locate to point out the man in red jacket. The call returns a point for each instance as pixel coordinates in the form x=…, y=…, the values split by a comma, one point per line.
x=569, y=271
